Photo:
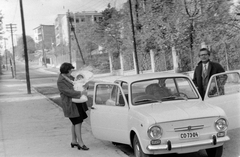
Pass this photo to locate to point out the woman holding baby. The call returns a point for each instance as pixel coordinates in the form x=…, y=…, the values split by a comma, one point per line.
x=74, y=111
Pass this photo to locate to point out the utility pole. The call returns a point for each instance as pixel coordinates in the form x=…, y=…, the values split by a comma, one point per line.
x=134, y=39
x=6, y=53
x=73, y=29
x=1, y=65
x=43, y=47
x=69, y=36
x=10, y=61
x=25, y=49
x=12, y=28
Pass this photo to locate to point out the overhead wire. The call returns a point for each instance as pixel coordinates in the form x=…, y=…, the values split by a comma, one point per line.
x=98, y=3
x=87, y=3
x=91, y=5
x=104, y=4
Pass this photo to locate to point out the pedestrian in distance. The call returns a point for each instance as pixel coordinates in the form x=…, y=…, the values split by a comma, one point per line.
x=74, y=111
x=204, y=70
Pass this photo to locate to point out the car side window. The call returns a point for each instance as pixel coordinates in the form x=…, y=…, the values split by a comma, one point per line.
x=185, y=88
x=103, y=93
x=124, y=86
x=109, y=95
x=224, y=84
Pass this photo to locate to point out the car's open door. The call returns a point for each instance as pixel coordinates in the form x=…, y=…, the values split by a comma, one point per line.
x=109, y=113
x=224, y=91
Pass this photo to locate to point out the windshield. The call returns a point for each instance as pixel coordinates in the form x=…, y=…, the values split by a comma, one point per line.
x=162, y=89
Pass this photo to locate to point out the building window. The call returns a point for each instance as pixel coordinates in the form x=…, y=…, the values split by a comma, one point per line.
x=77, y=20
x=71, y=19
x=82, y=19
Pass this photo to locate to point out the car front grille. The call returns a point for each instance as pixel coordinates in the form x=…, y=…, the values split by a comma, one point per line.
x=189, y=128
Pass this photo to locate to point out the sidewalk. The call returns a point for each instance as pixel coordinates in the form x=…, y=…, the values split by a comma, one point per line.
x=33, y=126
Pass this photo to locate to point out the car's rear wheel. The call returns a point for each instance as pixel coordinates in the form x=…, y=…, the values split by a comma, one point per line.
x=137, y=148
x=215, y=152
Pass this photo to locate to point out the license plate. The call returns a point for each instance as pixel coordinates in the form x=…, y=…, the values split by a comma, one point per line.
x=187, y=135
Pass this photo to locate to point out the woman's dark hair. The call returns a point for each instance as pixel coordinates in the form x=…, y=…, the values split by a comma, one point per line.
x=65, y=67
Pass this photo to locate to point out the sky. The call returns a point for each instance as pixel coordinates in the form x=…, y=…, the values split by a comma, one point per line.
x=37, y=12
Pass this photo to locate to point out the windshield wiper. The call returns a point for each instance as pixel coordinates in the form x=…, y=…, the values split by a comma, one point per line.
x=174, y=98
x=147, y=100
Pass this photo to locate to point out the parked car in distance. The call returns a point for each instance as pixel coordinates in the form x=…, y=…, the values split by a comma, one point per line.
x=159, y=113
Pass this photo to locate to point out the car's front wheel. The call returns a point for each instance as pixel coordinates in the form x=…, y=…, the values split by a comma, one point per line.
x=215, y=152
x=137, y=148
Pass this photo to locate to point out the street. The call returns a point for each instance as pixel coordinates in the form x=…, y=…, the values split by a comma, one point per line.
x=45, y=83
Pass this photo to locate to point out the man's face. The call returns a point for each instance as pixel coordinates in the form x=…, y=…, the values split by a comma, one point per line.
x=204, y=56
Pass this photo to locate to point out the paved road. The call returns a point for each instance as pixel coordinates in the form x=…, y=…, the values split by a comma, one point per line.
x=45, y=83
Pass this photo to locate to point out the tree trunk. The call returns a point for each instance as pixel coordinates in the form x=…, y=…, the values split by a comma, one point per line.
x=226, y=54
x=191, y=44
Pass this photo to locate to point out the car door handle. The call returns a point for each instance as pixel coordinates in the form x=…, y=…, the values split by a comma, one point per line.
x=92, y=108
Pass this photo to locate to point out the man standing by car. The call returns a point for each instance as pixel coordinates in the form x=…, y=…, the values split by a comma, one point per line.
x=204, y=70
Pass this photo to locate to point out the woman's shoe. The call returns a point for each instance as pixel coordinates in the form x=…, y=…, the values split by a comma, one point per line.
x=83, y=147
x=75, y=144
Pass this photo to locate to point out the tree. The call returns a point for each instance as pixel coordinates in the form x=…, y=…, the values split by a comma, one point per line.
x=86, y=35
x=219, y=28
x=184, y=25
x=109, y=33
x=30, y=44
x=164, y=25
x=156, y=24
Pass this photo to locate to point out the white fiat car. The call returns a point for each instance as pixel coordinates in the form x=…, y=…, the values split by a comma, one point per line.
x=162, y=113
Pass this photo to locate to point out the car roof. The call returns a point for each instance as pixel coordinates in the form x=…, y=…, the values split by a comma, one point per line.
x=145, y=76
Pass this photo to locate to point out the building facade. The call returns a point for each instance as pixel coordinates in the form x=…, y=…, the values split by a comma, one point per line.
x=44, y=37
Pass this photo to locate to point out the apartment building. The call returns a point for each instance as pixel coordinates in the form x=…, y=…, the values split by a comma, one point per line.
x=44, y=37
x=61, y=30
x=86, y=16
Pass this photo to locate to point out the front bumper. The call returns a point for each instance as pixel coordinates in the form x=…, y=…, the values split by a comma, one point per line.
x=169, y=146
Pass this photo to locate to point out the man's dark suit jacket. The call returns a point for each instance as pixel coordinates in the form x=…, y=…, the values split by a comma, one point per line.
x=213, y=68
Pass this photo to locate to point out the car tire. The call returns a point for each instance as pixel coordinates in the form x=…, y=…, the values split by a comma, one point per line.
x=215, y=152
x=137, y=148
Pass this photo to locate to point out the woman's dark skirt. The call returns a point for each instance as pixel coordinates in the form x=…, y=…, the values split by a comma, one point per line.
x=82, y=113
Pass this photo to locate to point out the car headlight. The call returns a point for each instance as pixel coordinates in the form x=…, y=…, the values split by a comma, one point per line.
x=221, y=124
x=155, y=132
